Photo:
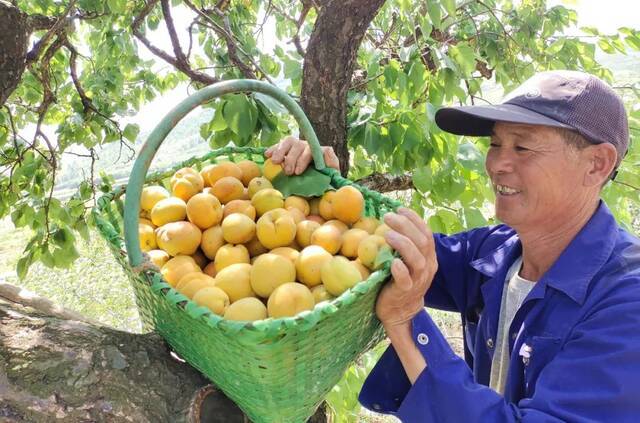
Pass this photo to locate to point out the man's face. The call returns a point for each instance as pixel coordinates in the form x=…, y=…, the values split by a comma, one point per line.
x=536, y=176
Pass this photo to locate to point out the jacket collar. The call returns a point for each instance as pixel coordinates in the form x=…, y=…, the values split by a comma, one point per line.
x=578, y=263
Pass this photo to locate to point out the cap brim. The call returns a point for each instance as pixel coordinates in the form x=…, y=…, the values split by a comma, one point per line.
x=479, y=120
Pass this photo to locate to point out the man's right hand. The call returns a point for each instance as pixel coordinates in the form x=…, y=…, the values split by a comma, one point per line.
x=295, y=155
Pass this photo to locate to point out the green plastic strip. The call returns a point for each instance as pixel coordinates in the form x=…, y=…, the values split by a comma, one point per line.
x=149, y=149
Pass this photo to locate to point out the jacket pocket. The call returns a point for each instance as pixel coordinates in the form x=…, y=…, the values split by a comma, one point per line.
x=536, y=352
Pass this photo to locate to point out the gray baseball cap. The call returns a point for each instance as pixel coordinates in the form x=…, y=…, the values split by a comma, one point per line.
x=564, y=99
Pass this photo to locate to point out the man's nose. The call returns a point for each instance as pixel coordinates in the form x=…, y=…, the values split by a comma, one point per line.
x=500, y=160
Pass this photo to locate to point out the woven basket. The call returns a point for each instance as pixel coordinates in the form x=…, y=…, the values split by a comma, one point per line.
x=275, y=370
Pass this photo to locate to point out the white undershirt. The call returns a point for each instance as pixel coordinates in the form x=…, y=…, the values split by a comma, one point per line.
x=515, y=291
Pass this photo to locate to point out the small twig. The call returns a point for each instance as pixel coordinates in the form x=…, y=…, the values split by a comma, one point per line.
x=626, y=185
x=15, y=135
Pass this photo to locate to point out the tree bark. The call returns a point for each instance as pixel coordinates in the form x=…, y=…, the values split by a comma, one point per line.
x=57, y=366
x=14, y=27
x=328, y=66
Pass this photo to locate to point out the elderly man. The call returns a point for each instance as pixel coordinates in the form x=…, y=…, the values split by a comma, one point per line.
x=549, y=300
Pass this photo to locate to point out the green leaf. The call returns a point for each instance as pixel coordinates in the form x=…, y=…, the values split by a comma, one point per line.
x=449, y=6
x=310, y=183
x=433, y=8
x=117, y=6
x=23, y=265
x=241, y=115
x=470, y=157
x=422, y=179
x=464, y=57
x=131, y=132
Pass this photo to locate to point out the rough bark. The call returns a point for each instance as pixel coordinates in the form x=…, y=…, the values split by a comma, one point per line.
x=57, y=366
x=14, y=27
x=328, y=66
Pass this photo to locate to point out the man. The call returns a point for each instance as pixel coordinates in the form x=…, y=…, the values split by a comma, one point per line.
x=549, y=300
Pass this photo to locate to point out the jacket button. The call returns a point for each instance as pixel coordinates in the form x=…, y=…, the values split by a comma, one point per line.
x=514, y=335
x=490, y=343
x=423, y=339
x=376, y=407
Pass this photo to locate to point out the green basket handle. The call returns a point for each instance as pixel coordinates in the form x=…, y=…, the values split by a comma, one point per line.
x=150, y=147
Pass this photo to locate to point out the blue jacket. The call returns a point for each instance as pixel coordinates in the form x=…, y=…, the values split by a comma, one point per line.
x=575, y=342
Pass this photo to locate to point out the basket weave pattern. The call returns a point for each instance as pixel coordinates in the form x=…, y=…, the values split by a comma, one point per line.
x=276, y=370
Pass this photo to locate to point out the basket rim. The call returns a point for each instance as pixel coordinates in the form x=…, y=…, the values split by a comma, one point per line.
x=303, y=321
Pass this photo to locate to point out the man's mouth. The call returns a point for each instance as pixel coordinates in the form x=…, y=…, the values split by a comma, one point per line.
x=505, y=190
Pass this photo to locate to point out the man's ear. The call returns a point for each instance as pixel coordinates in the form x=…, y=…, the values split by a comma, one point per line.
x=602, y=159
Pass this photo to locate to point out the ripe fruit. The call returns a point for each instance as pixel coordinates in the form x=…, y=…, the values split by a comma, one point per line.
x=381, y=230
x=255, y=248
x=368, y=250
x=192, y=276
x=341, y=226
x=270, y=271
x=210, y=269
x=348, y=204
x=316, y=218
x=238, y=228
x=145, y=221
x=235, y=280
x=215, y=299
x=212, y=173
x=151, y=195
x=171, y=209
x=296, y=214
x=239, y=206
x=304, y=230
x=212, y=240
x=270, y=170
x=338, y=275
x=276, y=228
x=290, y=299
x=179, y=238
x=249, y=170
x=204, y=210
x=267, y=199
x=314, y=205
x=230, y=254
x=227, y=189
x=158, y=257
x=246, y=309
x=364, y=272
x=325, y=207
x=257, y=184
x=177, y=267
x=147, y=237
x=328, y=237
x=288, y=252
x=350, y=241
x=297, y=202
x=200, y=258
x=186, y=183
x=309, y=263
x=321, y=294
x=367, y=223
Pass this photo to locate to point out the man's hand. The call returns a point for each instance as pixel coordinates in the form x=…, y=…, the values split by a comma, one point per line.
x=295, y=155
x=403, y=297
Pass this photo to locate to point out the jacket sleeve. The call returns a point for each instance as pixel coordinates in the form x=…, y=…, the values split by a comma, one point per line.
x=592, y=378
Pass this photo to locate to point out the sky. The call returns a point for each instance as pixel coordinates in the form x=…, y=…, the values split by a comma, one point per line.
x=606, y=15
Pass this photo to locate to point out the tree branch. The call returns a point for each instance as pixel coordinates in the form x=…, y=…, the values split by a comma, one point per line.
x=184, y=67
x=383, y=182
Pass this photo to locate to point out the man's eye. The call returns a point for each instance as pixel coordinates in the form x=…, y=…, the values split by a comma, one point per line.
x=518, y=148
x=493, y=144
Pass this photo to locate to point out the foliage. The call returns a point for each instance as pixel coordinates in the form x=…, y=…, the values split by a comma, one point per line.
x=86, y=78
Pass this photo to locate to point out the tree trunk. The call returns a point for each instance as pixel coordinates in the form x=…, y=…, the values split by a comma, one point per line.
x=14, y=28
x=56, y=366
x=328, y=66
